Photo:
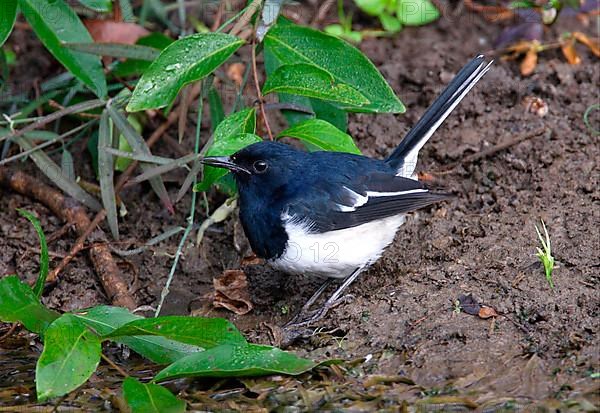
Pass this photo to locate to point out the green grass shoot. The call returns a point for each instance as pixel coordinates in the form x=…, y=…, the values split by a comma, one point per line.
x=545, y=253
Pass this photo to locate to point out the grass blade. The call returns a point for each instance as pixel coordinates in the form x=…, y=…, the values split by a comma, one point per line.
x=106, y=173
x=44, y=260
x=127, y=51
x=138, y=144
x=53, y=172
x=159, y=170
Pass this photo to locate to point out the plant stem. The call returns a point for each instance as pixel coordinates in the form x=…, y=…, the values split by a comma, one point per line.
x=258, y=92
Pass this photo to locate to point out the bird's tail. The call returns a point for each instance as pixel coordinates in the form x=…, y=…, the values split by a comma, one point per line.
x=404, y=157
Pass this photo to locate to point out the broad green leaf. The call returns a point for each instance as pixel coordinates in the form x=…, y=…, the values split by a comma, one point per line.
x=372, y=7
x=197, y=331
x=292, y=44
x=416, y=12
x=309, y=80
x=150, y=398
x=55, y=23
x=322, y=135
x=71, y=354
x=8, y=15
x=103, y=6
x=184, y=61
x=106, y=319
x=44, y=260
x=236, y=361
x=18, y=303
x=321, y=109
x=232, y=134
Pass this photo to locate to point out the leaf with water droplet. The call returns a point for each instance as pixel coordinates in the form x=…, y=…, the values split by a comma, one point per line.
x=321, y=135
x=293, y=44
x=184, y=61
x=311, y=81
x=150, y=398
x=235, y=361
x=71, y=354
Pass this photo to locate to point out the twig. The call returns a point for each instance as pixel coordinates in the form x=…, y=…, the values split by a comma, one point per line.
x=322, y=12
x=70, y=210
x=245, y=18
x=259, y=95
x=486, y=153
x=80, y=107
x=218, y=17
x=10, y=331
x=114, y=365
x=57, y=105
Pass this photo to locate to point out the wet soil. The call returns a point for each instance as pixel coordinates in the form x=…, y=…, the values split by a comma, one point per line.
x=402, y=323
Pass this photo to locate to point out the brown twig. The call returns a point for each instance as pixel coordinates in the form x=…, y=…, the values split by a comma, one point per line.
x=259, y=95
x=58, y=106
x=114, y=365
x=246, y=17
x=486, y=153
x=70, y=210
x=218, y=17
x=9, y=332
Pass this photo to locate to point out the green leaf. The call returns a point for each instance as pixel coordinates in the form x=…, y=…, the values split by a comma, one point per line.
x=217, y=114
x=18, y=303
x=309, y=80
x=186, y=60
x=71, y=354
x=103, y=6
x=232, y=134
x=55, y=23
x=322, y=135
x=44, y=260
x=416, y=12
x=390, y=23
x=372, y=7
x=150, y=398
x=106, y=319
x=236, y=361
x=322, y=110
x=197, y=331
x=292, y=44
x=8, y=15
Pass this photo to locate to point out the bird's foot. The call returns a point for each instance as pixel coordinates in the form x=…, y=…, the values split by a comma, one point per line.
x=300, y=326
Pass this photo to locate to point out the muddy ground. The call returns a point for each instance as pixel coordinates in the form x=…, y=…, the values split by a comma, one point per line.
x=543, y=350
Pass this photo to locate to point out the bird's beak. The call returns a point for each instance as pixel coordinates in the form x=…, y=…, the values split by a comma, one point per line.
x=224, y=162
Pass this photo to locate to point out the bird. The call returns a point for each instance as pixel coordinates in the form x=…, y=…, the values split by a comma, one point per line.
x=331, y=214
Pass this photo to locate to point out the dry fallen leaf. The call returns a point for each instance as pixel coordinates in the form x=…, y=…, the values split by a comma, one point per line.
x=535, y=105
x=567, y=45
x=593, y=44
x=235, y=72
x=231, y=292
x=107, y=31
x=530, y=62
x=487, y=312
x=469, y=304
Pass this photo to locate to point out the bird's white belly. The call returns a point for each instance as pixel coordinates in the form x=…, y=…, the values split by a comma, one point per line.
x=336, y=254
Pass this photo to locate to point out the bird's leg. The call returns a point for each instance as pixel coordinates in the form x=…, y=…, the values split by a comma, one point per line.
x=303, y=312
x=301, y=320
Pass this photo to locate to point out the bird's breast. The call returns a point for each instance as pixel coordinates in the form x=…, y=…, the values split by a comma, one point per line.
x=335, y=254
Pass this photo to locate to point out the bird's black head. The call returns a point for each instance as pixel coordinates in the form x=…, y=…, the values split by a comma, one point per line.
x=263, y=164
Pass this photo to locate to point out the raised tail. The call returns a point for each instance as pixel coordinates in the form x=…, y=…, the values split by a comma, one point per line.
x=404, y=157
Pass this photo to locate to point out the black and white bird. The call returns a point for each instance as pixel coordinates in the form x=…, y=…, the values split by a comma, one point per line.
x=332, y=214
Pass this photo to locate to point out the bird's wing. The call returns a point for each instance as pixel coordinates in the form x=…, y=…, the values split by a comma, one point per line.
x=339, y=205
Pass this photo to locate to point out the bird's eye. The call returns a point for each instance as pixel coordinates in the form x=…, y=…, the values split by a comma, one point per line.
x=260, y=167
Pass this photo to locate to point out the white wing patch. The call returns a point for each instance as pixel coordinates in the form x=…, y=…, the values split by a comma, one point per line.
x=359, y=200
